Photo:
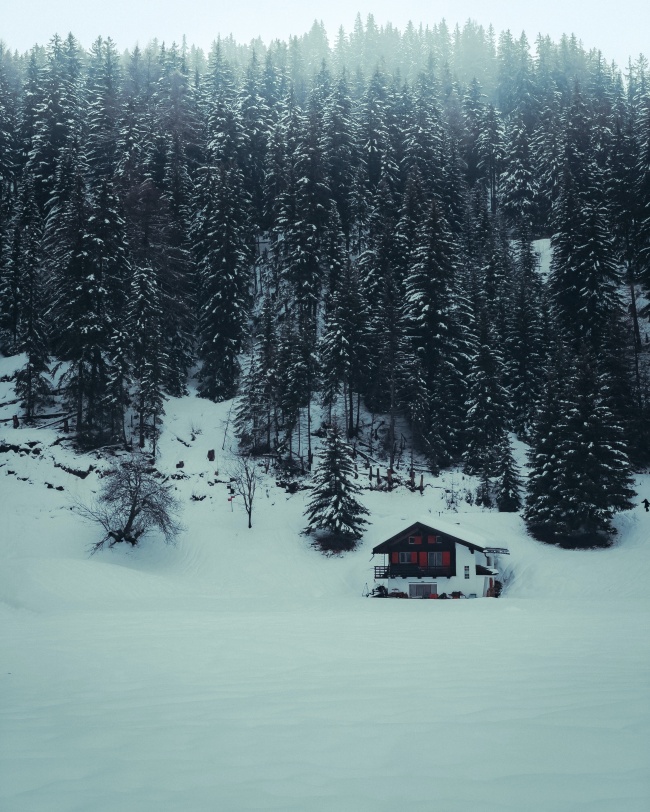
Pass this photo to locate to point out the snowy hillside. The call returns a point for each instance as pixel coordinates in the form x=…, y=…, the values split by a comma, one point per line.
x=242, y=670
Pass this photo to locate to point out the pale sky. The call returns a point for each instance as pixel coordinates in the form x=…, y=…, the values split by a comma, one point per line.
x=620, y=29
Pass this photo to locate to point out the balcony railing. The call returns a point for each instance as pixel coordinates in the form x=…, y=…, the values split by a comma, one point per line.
x=411, y=571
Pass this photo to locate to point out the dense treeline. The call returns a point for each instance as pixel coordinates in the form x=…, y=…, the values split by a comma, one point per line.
x=352, y=225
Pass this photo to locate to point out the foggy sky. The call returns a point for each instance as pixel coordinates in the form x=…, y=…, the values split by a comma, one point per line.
x=620, y=30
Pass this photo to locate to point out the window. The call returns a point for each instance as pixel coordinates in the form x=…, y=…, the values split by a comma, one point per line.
x=441, y=559
x=435, y=559
x=467, y=573
x=407, y=558
x=411, y=539
x=422, y=590
x=434, y=539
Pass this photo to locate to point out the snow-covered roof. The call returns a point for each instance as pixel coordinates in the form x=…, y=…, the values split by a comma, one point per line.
x=449, y=528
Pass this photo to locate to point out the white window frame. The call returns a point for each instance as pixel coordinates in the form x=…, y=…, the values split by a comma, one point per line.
x=413, y=588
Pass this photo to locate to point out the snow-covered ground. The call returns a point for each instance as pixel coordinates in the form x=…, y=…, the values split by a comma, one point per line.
x=242, y=670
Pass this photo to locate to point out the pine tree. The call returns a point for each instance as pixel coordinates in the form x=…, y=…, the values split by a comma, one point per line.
x=256, y=122
x=343, y=347
x=32, y=381
x=340, y=151
x=102, y=97
x=508, y=483
x=253, y=414
x=56, y=116
x=148, y=355
x=296, y=378
x=334, y=508
x=525, y=345
x=424, y=139
x=156, y=241
x=306, y=231
x=490, y=148
x=580, y=473
x=585, y=276
x=80, y=313
x=432, y=306
x=519, y=187
x=223, y=268
x=487, y=405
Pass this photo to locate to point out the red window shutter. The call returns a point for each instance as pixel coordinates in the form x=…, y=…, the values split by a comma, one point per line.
x=446, y=559
x=414, y=558
x=394, y=557
x=418, y=539
x=431, y=539
x=423, y=559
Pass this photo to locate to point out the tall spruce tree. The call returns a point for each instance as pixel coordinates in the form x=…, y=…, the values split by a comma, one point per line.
x=32, y=380
x=334, y=508
x=223, y=267
x=580, y=470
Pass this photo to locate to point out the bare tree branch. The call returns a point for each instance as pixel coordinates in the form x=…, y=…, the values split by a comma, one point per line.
x=133, y=501
x=244, y=476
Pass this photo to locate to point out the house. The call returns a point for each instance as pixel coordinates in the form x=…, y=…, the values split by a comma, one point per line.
x=424, y=561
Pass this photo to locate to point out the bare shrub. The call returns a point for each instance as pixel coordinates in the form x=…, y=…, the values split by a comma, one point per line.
x=133, y=500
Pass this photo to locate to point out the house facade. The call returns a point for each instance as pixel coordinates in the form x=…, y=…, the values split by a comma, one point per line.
x=424, y=561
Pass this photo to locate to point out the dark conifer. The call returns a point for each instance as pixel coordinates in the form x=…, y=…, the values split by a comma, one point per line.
x=334, y=508
x=586, y=466
x=508, y=484
x=223, y=266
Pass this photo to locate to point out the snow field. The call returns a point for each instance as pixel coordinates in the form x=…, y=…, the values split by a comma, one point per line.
x=241, y=670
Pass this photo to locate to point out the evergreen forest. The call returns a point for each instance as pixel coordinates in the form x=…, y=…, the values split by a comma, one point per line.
x=349, y=224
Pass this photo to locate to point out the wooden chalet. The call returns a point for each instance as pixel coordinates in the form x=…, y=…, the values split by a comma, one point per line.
x=426, y=562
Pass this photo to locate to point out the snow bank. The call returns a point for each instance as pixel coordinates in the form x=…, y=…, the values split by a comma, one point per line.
x=242, y=670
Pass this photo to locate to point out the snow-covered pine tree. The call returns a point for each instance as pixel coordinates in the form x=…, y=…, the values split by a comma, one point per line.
x=487, y=407
x=80, y=314
x=118, y=374
x=148, y=356
x=585, y=276
x=491, y=149
x=256, y=122
x=8, y=135
x=340, y=151
x=580, y=470
x=343, y=346
x=334, y=509
x=56, y=115
x=32, y=380
x=642, y=190
x=432, y=312
x=221, y=236
x=102, y=97
x=508, y=484
x=519, y=186
x=256, y=419
x=303, y=260
x=423, y=138
x=296, y=376
x=544, y=463
x=525, y=348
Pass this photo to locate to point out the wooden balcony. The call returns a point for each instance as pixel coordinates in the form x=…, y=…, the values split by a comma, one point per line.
x=411, y=571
